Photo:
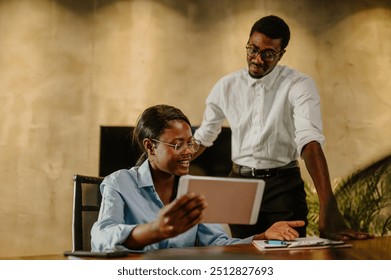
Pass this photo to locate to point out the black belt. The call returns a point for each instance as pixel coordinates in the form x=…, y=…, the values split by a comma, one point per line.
x=263, y=173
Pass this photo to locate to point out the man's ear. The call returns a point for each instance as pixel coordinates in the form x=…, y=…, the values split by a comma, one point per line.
x=281, y=54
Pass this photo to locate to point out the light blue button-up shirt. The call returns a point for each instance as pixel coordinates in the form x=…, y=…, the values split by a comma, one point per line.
x=129, y=199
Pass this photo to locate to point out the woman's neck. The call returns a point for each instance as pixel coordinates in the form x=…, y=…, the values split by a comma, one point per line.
x=165, y=186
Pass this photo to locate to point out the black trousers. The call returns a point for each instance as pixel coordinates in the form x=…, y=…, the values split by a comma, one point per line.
x=284, y=199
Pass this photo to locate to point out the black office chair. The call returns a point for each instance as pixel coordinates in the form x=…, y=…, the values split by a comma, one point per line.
x=86, y=205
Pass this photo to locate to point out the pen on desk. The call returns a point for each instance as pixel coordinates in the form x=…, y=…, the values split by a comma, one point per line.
x=275, y=242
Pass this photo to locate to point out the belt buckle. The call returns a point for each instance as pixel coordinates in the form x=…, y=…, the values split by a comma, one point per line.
x=267, y=174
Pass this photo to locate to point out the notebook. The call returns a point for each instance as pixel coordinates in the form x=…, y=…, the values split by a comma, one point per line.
x=301, y=243
x=230, y=200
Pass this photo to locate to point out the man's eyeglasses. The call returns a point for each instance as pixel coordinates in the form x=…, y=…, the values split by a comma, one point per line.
x=181, y=146
x=266, y=55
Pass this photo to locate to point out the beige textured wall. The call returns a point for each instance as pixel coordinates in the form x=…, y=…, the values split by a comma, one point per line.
x=67, y=67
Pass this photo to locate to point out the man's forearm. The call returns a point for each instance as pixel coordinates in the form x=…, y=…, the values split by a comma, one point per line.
x=316, y=165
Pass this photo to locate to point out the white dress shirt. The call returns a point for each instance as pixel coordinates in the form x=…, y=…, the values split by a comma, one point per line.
x=271, y=118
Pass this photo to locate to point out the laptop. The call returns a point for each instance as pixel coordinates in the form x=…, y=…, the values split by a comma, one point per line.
x=230, y=200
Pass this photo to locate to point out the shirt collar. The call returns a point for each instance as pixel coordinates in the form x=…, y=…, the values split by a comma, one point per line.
x=144, y=175
x=266, y=81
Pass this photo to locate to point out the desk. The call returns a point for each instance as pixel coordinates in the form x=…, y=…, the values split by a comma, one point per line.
x=373, y=249
x=378, y=248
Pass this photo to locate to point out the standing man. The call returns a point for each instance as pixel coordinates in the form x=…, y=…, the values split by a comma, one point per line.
x=274, y=115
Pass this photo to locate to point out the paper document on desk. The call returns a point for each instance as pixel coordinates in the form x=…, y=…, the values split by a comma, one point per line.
x=301, y=243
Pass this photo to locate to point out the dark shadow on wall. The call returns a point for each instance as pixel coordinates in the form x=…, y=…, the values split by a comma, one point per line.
x=84, y=6
x=210, y=12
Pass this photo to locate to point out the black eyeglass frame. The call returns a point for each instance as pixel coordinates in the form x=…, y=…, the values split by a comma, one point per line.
x=263, y=53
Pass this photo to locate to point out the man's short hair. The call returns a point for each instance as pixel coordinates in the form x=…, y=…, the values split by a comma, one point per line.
x=273, y=27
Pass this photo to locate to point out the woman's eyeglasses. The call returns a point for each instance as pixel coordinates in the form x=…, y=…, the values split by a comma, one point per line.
x=181, y=146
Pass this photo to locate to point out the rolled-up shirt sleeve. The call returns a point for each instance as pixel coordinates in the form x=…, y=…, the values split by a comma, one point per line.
x=306, y=113
x=215, y=235
x=213, y=119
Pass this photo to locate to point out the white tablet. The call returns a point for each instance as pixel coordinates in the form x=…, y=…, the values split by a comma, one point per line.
x=230, y=200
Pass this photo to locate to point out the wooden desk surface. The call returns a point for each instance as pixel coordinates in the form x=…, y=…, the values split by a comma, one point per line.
x=372, y=249
x=378, y=248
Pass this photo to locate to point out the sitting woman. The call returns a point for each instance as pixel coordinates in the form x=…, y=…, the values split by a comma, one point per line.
x=139, y=210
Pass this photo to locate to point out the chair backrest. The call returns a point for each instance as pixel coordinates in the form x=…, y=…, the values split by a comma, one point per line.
x=86, y=205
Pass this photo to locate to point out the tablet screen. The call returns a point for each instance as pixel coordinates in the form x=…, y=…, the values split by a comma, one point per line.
x=230, y=200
